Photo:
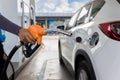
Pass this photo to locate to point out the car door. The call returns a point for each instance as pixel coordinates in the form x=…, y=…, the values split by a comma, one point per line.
x=68, y=42
x=65, y=40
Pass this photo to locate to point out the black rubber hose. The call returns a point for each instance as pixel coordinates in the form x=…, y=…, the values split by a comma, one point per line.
x=13, y=74
x=28, y=54
x=8, y=61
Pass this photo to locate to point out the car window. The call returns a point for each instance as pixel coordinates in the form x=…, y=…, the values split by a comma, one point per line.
x=73, y=20
x=83, y=14
x=98, y=4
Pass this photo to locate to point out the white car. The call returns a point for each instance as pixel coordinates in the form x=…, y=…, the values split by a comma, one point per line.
x=92, y=52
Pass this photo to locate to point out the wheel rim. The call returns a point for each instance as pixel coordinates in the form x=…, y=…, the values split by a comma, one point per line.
x=83, y=75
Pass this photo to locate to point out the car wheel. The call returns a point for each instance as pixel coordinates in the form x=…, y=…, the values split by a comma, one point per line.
x=60, y=54
x=85, y=72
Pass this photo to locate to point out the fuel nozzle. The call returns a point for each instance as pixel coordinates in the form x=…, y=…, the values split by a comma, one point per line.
x=37, y=32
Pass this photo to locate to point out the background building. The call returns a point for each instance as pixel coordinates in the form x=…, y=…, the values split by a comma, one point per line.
x=51, y=20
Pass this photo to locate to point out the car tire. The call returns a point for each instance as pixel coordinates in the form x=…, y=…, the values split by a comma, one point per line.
x=85, y=71
x=60, y=54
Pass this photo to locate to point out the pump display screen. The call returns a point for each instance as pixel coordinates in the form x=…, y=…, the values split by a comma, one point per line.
x=54, y=23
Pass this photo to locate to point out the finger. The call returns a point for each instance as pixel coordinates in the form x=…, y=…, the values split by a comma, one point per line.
x=25, y=40
x=30, y=40
x=22, y=38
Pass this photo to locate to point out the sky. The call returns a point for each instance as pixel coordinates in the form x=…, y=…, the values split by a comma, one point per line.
x=59, y=6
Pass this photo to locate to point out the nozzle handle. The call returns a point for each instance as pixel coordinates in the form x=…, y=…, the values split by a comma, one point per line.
x=30, y=49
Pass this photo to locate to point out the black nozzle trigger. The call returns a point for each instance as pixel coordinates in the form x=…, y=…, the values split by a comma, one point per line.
x=29, y=50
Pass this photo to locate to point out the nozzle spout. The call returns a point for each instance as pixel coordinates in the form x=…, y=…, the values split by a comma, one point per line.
x=48, y=31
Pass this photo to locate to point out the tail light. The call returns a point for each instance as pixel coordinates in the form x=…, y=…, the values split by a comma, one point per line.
x=111, y=29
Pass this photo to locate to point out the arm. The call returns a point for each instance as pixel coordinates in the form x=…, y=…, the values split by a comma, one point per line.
x=7, y=25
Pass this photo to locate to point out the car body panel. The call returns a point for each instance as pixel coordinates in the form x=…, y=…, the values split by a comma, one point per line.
x=107, y=61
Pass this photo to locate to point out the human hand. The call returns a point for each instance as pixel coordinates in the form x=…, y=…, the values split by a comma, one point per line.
x=37, y=32
x=25, y=36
